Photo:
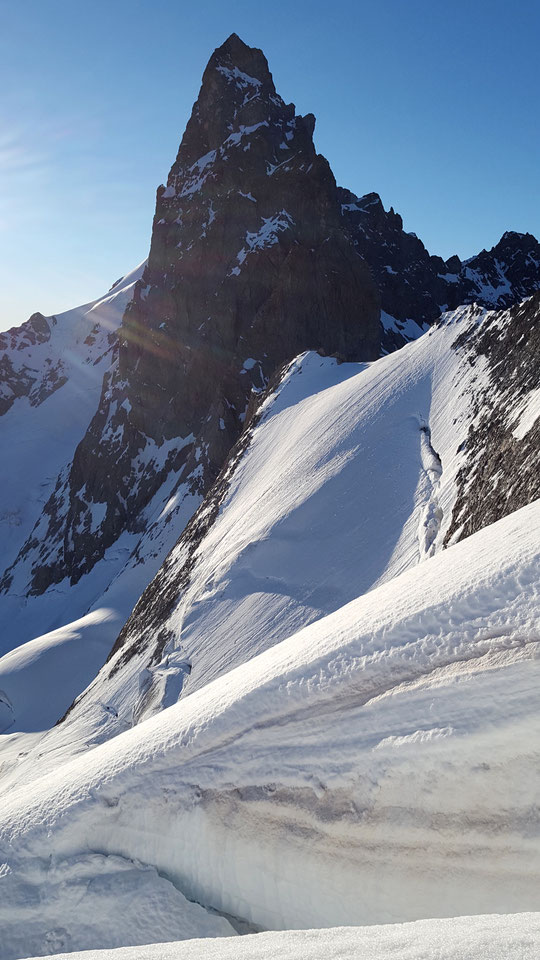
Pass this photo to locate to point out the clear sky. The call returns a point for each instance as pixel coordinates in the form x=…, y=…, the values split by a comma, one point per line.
x=432, y=103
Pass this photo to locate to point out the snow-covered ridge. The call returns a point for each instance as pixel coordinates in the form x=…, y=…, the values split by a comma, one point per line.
x=346, y=457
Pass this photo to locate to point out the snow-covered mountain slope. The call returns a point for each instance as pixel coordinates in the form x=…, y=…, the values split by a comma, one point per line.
x=308, y=698
x=40, y=431
x=41, y=678
x=348, y=475
x=51, y=377
x=514, y=937
x=379, y=765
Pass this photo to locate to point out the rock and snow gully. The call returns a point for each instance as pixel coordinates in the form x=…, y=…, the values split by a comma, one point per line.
x=431, y=520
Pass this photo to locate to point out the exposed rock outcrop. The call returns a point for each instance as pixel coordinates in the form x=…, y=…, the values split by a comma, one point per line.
x=501, y=473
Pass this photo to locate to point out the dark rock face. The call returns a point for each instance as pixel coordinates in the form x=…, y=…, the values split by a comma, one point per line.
x=19, y=378
x=417, y=286
x=251, y=262
x=501, y=473
x=409, y=279
x=507, y=273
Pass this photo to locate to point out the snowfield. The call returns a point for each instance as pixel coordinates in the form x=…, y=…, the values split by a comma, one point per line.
x=60, y=663
x=380, y=765
x=515, y=937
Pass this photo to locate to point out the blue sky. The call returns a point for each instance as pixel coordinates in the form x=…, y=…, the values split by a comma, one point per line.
x=435, y=105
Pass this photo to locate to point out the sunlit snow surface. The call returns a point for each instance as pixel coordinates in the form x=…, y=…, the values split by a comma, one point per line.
x=349, y=480
x=463, y=938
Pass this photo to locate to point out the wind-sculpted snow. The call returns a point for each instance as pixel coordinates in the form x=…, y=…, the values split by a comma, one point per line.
x=379, y=765
x=515, y=937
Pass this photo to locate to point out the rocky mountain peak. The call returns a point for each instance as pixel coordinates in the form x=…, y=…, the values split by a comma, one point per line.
x=251, y=263
x=511, y=245
x=234, y=58
x=237, y=91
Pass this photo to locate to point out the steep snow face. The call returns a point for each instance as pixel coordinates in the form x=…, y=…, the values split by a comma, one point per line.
x=347, y=477
x=379, y=765
x=514, y=937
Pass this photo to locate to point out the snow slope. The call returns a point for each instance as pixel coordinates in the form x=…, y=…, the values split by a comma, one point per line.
x=348, y=479
x=40, y=679
x=379, y=765
x=515, y=937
